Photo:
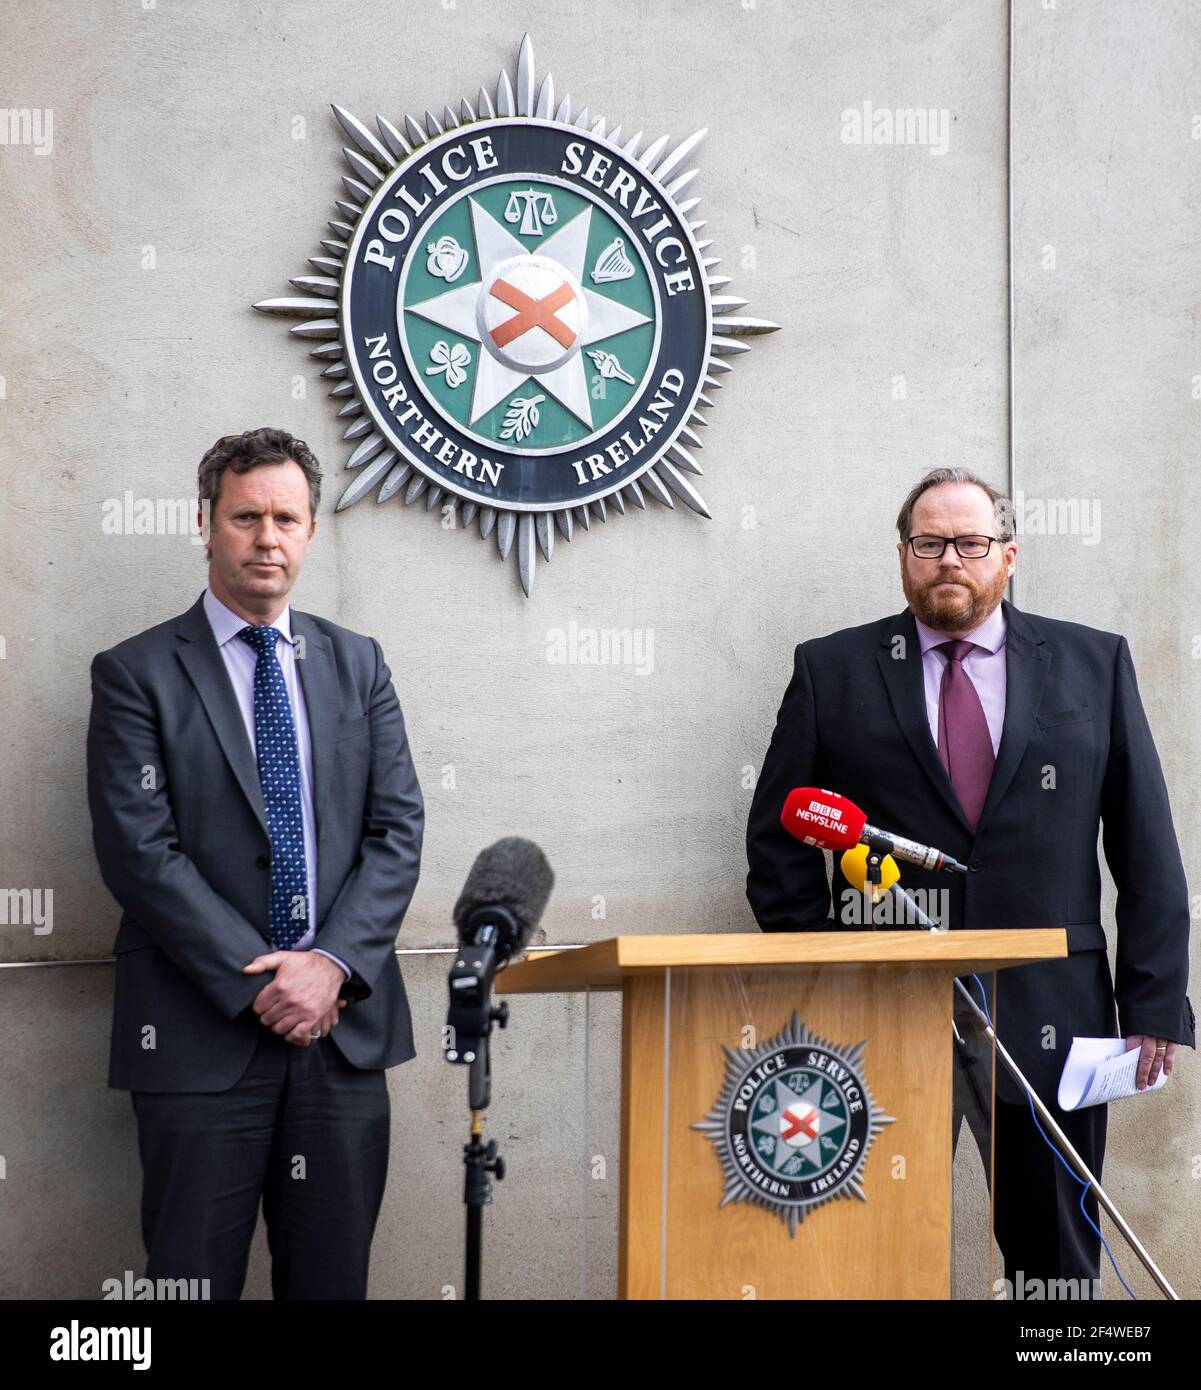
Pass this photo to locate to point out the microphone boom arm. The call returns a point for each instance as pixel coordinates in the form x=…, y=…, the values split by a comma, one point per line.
x=1048, y=1120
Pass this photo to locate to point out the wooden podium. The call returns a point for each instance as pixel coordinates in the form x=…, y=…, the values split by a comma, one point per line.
x=685, y=996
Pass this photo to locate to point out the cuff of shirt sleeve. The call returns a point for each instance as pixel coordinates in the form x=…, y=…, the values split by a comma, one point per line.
x=342, y=964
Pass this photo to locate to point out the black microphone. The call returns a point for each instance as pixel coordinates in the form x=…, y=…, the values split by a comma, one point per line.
x=498, y=910
x=504, y=897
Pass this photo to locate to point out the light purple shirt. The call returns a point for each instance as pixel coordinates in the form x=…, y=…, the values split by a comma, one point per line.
x=984, y=666
x=240, y=659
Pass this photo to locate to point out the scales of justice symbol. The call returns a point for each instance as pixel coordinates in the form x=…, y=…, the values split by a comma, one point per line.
x=535, y=211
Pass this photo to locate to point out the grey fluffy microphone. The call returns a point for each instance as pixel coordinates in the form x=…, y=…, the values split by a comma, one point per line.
x=507, y=889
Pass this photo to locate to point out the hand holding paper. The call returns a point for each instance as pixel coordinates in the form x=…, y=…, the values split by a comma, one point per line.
x=1158, y=1054
x=1100, y=1070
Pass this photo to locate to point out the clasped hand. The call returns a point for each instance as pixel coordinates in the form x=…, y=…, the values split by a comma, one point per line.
x=303, y=997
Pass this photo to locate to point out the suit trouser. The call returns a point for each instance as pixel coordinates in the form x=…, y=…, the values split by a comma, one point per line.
x=304, y=1131
x=1036, y=1200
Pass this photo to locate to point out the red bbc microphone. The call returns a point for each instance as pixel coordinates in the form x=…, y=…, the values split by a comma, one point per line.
x=829, y=821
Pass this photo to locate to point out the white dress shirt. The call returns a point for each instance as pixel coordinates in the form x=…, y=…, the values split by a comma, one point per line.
x=240, y=660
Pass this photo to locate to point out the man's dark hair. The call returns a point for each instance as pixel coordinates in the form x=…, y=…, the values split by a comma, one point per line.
x=241, y=452
x=1002, y=506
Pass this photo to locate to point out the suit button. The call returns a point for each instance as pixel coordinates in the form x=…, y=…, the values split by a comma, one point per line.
x=974, y=865
x=263, y=862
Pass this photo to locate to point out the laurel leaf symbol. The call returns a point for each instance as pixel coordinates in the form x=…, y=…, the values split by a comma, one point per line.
x=521, y=418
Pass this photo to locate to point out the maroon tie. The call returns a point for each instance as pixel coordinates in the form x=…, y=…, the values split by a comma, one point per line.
x=964, y=743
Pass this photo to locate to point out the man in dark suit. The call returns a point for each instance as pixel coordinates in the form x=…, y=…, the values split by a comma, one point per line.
x=1006, y=740
x=256, y=814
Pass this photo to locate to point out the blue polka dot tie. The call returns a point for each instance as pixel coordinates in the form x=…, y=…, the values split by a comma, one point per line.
x=279, y=776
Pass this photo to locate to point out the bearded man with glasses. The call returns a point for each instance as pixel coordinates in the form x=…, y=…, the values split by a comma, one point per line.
x=1009, y=741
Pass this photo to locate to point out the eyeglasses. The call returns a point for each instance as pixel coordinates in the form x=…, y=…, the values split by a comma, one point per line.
x=967, y=547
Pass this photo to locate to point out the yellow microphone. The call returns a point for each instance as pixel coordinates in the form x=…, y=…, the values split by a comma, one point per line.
x=854, y=869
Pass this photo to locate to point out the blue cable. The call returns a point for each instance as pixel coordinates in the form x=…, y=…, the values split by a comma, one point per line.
x=1084, y=1185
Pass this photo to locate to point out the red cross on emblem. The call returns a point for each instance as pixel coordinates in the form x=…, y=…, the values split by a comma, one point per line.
x=532, y=313
x=796, y=1122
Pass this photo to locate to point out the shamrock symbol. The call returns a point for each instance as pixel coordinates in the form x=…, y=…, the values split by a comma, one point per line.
x=451, y=360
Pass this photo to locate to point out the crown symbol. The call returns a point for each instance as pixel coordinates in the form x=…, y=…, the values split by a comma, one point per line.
x=612, y=263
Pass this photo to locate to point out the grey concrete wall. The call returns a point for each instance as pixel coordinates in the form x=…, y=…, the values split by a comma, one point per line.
x=176, y=194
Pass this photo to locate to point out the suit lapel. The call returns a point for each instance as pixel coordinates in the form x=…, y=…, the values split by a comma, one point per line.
x=319, y=680
x=900, y=660
x=202, y=660
x=1027, y=661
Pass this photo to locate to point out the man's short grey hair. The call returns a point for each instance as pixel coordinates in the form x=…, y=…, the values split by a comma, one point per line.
x=1002, y=506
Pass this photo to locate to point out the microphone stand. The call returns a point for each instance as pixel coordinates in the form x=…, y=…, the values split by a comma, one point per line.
x=1047, y=1119
x=469, y=1023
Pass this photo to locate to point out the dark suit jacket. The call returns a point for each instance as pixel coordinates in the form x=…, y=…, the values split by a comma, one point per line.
x=854, y=720
x=180, y=831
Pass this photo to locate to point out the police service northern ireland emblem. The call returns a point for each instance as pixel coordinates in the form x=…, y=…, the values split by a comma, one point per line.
x=516, y=316
x=793, y=1123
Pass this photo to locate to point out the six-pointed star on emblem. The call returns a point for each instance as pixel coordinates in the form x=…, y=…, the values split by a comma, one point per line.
x=514, y=278
x=797, y=1122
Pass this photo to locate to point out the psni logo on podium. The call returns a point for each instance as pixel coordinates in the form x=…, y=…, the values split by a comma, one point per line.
x=793, y=1123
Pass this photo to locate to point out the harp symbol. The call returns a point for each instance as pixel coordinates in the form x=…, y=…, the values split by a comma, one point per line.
x=612, y=263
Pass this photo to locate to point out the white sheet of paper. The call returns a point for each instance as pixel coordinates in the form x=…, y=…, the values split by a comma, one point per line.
x=1100, y=1070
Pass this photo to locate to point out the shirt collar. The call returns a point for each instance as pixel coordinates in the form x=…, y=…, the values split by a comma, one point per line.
x=990, y=634
x=226, y=624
